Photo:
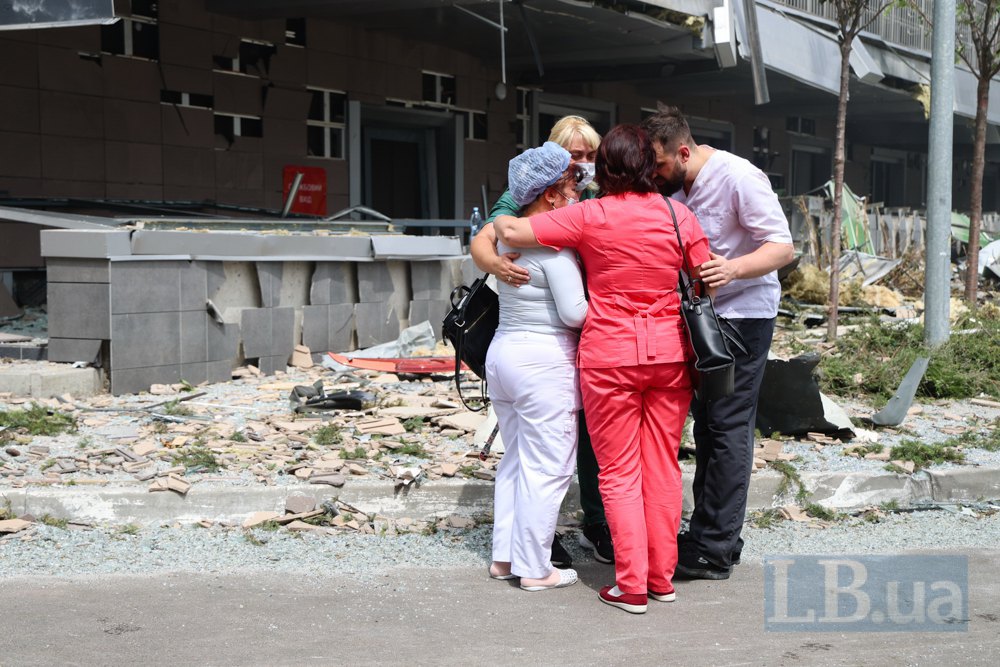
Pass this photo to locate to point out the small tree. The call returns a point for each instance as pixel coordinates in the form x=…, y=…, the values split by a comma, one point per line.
x=979, y=20
x=982, y=19
x=852, y=17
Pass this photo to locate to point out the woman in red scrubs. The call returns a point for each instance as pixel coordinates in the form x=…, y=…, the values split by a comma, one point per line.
x=632, y=356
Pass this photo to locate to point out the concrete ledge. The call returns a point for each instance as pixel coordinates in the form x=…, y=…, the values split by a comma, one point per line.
x=133, y=503
x=35, y=381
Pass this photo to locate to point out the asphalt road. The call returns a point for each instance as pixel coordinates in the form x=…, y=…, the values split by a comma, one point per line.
x=445, y=617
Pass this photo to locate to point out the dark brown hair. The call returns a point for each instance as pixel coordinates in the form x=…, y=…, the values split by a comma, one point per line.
x=668, y=127
x=625, y=161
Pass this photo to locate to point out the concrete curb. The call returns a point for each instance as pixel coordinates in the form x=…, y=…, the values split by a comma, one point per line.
x=133, y=503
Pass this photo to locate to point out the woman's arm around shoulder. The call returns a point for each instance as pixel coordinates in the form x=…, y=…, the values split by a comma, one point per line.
x=515, y=232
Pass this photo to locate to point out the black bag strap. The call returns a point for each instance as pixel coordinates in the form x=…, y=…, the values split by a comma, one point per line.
x=462, y=303
x=687, y=291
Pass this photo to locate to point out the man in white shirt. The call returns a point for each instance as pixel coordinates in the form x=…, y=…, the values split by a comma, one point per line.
x=750, y=239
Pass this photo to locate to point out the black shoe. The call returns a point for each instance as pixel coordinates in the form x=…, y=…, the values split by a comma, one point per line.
x=690, y=565
x=560, y=557
x=684, y=543
x=598, y=538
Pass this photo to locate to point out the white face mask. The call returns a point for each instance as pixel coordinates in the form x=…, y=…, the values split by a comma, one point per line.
x=589, y=171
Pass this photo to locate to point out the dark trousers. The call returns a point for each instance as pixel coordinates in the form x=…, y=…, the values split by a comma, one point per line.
x=723, y=436
x=586, y=472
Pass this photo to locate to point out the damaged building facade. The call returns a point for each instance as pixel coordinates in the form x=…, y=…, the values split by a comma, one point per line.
x=117, y=140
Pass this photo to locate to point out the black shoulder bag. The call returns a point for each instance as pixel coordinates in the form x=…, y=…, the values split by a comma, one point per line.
x=469, y=326
x=710, y=335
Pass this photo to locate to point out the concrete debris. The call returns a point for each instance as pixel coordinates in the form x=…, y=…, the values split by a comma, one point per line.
x=14, y=525
x=302, y=357
x=794, y=513
x=381, y=426
x=257, y=518
x=299, y=504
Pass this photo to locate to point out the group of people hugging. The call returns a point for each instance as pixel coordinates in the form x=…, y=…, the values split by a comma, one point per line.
x=589, y=365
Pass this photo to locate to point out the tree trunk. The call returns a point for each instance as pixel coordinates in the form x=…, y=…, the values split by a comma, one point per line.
x=976, y=199
x=838, y=185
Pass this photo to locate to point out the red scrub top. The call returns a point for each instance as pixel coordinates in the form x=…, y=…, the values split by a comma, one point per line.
x=629, y=250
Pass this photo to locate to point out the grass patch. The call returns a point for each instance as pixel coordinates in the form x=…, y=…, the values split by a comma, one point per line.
x=978, y=439
x=923, y=454
x=37, y=420
x=413, y=424
x=863, y=450
x=238, y=437
x=880, y=355
x=253, y=539
x=6, y=510
x=766, y=519
x=46, y=464
x=413, y=449
x=327, y=435
x=176, y=409
x=50, y=520
x=889, y=506
x=128, y=529
x=789, y=477
x=468, y=470
x=817, y=511
x=197, y=458
x=356, y=453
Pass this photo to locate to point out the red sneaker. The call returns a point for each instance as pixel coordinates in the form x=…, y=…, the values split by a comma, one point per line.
x=669, y=596
x=633, y=603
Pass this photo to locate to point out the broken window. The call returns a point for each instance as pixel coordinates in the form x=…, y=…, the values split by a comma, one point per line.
x=135, y=37
x=326, y=123
x=194, y=100
x=253, y=59
x=476, y=125
x=439, y=88
x=295, y=32
x=230, y=126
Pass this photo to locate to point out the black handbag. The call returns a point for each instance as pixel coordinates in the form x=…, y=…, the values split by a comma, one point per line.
x=469, y=326
x=709, y=334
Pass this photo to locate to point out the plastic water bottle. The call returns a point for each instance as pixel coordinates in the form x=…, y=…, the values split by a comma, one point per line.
x=475, y=223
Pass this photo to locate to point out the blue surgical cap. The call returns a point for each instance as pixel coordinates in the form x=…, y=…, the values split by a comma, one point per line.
x=534, y=170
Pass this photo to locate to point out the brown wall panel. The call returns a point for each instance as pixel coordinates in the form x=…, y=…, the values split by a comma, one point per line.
x=284, y=138
x=22, y=187
x=65, y=70
x=21, y=247
x=83, y=38
x=72, y=115
x=133, y=163
x=183, y=12
x=180, y=45
x=328, y=70
x=74, y=188
x=185, y=193
x=127, y=120
x=18, y=61
x=368, y=76
x=236, y=93
x=238, y=170
x=187, y=127
x=328, y=36
x=287, y=102
x=288, y=64
x=187, y=79
x=253, y=198
x=131, y=78
x=19, y=109
x=72, y=159
x=134, y=192
x=188, y=167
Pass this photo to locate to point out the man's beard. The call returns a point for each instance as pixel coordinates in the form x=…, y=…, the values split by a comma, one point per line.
x=669, y=187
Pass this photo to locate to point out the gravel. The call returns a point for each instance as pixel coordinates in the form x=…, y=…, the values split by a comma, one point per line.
x=48, y=550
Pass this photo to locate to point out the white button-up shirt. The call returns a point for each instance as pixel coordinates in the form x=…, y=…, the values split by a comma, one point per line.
x=739, y=212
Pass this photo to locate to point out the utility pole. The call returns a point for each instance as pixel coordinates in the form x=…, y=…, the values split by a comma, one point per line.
x=937, y=290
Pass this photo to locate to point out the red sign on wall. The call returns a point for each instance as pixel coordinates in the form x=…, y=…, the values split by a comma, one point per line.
x=311, y=196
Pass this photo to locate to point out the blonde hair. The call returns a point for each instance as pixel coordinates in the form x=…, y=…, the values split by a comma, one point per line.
x=567, y=126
